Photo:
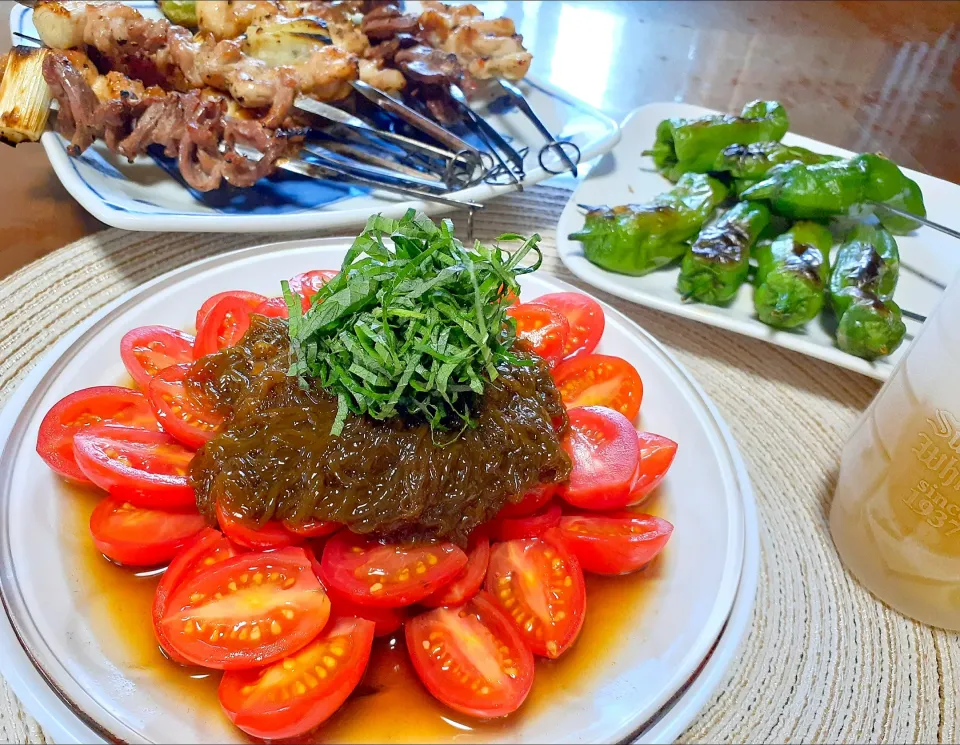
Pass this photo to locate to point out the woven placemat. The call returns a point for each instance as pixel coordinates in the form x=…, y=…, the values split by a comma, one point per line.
x=823, y=662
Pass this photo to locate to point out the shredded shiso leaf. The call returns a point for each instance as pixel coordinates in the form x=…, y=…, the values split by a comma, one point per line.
x=417, y=328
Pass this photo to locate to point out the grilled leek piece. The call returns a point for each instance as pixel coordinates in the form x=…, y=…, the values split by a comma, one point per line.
x=285, y=41
x=181, y=12
x=24, y=96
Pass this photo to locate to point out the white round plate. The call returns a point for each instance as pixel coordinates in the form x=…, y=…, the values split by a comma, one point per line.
x=688, y=601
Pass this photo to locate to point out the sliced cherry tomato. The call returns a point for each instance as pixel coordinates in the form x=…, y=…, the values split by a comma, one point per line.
x=600, y=380
x=386, y=620
x=656, y=456
x=300, y=692
x=466, y=584
x=252, y=299
x=543, y=328
x=149, y=349
x=388, y=575
x=136, y=536
x=209, y=547
x=539, y=584
x=585, y=317
x=147, y=469
x=511, y=528
x=180, y=414
x=614, y=542
x=471, y=658
x=224, y=326
x=106, y=404
x=270, y=535
x=602, y=444
x=275, y=307
x=532, y=501
x=312, y=528
x=247, y=611
x=307, y=284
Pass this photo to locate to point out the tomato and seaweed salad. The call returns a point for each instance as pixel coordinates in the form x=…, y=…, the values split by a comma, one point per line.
x=274, y=577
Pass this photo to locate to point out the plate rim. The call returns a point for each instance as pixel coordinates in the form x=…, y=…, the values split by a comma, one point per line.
x=601, y=279
x=27, y=394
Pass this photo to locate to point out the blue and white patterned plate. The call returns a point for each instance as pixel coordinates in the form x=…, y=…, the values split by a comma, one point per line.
x=148, y=194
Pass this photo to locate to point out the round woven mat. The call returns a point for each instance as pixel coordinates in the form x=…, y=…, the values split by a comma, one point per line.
x=823, y=662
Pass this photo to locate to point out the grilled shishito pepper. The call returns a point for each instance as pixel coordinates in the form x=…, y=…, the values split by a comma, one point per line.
x=792, y=275
x=636, y=239
x=889, y=185
x=692, y=145
x=719, y=260
x=801, y=191
x=754, y=161
x=862, y=282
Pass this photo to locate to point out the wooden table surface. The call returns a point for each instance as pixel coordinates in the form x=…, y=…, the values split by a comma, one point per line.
x=881, y=76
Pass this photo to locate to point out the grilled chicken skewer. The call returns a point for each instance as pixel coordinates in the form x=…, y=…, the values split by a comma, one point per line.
x=162, y=53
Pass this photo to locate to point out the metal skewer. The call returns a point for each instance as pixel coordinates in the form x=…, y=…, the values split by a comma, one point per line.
x=490, y=133
x=317, y=171
x=490, y=137
x=923, y=220
x=552, y=142
x=339, y=116
x=399, y=109
x=326, y=158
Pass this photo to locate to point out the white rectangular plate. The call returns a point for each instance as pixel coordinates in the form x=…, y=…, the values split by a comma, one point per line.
x=625, y=176
x=144, y=195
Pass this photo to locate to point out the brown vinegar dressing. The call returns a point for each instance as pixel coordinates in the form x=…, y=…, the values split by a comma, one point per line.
x=390, y=704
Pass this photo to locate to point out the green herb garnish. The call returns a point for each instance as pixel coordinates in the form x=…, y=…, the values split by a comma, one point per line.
x=415, y=329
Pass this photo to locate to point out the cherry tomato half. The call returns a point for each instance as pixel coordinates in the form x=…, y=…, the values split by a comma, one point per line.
x=180, y=414
x=511, y=528
x=147, y=469
x=532, y=501
x=386, y=620
x=312, y=528
x=224, y=326
x=147, y=350
x=296, y=694
x=585, y=317
x=600, y=380
x=466, y=584
x=252, y=299
x=471, y=658
x=388, y=575
x=543, y=329
x=614, y=542
x=270, y=535
x=602, y=444
x=275, y=307
x=136, y=536
x=539, y=584
x=105, y=404
x=307, y=284
x=247, y=611
x=656, y=456
x=208, y=548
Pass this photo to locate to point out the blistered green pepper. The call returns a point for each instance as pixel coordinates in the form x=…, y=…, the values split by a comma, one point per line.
x=889, y=185
x=802, y=191
x=754, y=161
x=862, y=282
x=719, y=260
x=692, y=145
x=636, y=239
x=181, y=12
x=792, y=274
